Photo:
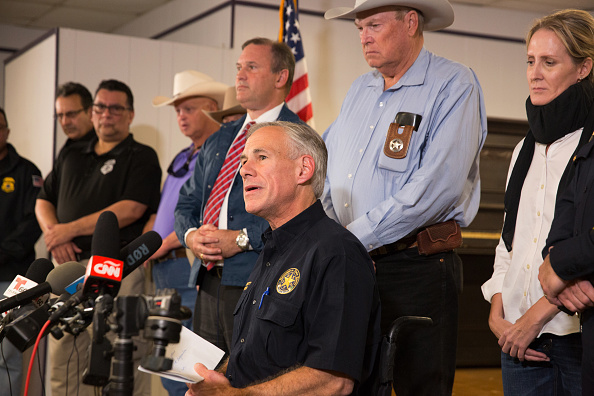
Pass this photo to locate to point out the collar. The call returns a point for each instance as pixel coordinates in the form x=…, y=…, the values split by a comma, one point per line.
x=415, y=75
x=283, y=236
x=270, y=116
x=123, y=145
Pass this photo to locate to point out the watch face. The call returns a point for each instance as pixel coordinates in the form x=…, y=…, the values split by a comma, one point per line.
x=242, y=241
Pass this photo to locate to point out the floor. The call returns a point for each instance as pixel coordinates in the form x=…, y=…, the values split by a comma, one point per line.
x=478, y=382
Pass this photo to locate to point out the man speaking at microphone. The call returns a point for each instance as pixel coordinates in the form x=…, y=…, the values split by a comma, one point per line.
x=111, y=172
x=307, y=321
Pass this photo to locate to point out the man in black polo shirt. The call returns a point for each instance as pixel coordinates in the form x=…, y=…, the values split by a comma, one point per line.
x=308, y=318
x=74, y=113
x=111, y=172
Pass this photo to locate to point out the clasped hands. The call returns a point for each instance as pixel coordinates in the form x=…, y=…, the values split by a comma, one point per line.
x=212, y=244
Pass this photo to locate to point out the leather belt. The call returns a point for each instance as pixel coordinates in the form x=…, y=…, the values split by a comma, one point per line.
x=173, y=254
x=402, y=244
x=216, y=271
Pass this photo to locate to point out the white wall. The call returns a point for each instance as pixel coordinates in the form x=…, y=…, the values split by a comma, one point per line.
x=333, y=51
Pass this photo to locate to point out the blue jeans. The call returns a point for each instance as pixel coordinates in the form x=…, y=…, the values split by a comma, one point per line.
x=174, y=274
x=411, y=284
x=11, y=358
x=560, y=376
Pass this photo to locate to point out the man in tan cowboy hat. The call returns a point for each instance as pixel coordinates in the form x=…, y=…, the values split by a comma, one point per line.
x=231, y=111
x=193, y=94
x=403, y=167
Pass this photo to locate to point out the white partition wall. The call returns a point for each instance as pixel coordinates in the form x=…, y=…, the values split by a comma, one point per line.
x=147, y=66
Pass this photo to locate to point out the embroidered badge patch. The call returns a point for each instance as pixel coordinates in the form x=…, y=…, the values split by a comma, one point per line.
x=8, y=184
x=288, y=281
x=108, y=166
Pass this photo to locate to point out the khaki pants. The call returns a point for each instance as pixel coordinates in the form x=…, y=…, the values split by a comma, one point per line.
x=68, y=357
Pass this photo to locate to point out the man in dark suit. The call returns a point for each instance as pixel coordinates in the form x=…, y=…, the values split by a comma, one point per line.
x=210, y=217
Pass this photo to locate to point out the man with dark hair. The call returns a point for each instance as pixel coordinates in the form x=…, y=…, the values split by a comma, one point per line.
x=74, y=113
x=210, y=217
x=112, y=172
x=308, y=319
x=20, y=182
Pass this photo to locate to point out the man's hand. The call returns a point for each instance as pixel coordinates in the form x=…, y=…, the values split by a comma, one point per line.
x=65, y=252
x=58, y=234
x=551, y=284
x=214, y=383
x=211, y=244
x=577, y=296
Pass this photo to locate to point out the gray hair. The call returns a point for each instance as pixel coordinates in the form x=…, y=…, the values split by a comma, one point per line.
x=304, y=141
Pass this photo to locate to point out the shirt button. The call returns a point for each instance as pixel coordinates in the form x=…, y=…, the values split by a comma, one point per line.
x=209, y=186
x=370, y=246
x=242, y=340
x=381, y=104
x=538, y=213
x=370, y=126
x=534, y=240
x=360, y=150
x=350, y=175
x=528, y=266
x=268, y=264
x=541, y=186
x=217, y=154
x=346, y=205
x=254, y=302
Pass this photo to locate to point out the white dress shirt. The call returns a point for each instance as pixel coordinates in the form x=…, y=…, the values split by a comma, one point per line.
x=515, y=273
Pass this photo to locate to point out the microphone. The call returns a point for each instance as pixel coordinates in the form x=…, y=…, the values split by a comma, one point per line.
x=134, y=254
x=36, y=274
x=29, y=319
x=140, y=250
x=104, y=270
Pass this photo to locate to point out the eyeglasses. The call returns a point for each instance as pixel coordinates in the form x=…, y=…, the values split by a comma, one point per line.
x=68, y=114
x=116, y=110
x=185, y=167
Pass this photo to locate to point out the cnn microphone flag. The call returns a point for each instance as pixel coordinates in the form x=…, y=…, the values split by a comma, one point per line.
x=299, y=98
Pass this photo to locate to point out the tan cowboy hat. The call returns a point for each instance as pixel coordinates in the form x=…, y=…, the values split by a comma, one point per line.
x=193, y=83
x=230, y=106
x=438, y=14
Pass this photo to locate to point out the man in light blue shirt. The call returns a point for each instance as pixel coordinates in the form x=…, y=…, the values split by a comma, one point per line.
x=386, y=188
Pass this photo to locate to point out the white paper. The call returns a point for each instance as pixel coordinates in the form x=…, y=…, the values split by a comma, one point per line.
x=190, y=349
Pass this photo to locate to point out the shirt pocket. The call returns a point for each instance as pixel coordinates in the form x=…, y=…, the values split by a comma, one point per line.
x=282, y=332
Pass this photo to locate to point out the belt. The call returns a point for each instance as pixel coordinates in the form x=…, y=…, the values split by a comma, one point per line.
x=402, y=244
x=173, y=254
x=216, y=271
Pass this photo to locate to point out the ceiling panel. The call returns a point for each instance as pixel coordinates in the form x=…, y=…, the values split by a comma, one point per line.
x=107, y=15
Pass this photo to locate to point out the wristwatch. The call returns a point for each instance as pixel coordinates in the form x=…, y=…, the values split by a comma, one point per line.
x=242, y=240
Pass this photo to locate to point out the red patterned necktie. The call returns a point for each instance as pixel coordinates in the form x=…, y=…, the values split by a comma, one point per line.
x=223, y=182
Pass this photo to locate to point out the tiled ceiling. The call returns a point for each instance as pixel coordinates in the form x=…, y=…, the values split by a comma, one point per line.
x=108, y=15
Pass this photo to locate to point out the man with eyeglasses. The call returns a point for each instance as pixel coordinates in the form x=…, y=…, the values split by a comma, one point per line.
x=193, y=94
x=74, y=111
x=112, y=172
x=20, y=181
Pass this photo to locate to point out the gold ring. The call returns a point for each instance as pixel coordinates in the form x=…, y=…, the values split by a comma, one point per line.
x=201, y=256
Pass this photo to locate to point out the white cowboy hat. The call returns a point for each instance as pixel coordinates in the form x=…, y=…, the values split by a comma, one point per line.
x=230, y=106
x=438, y=14
x=192, y=83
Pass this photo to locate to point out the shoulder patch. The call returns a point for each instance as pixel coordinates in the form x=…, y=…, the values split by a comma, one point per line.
x=37, y=181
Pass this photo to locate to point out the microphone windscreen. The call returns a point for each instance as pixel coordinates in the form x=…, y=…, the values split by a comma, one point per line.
x=106, y=238
x=63, y=275
x=139, y=250
x=39, y=270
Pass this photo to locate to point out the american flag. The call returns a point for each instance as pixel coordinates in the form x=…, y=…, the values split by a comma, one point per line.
x=299, y=98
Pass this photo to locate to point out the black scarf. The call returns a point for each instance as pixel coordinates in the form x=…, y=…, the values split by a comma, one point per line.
x=567, y=113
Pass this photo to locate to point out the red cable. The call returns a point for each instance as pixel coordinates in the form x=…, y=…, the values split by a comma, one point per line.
x=39, y=337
